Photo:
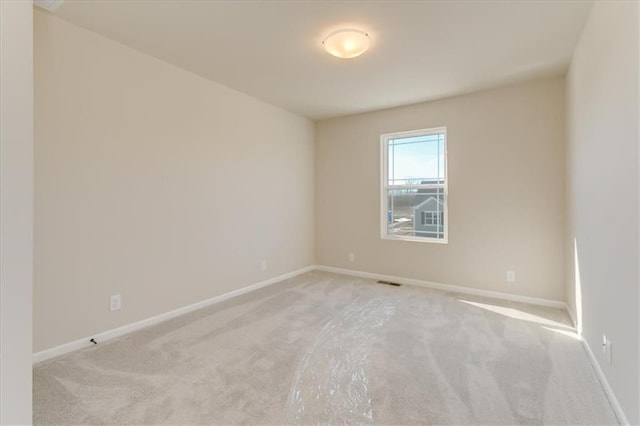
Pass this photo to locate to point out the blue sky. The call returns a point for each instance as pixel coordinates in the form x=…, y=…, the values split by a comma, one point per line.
x=416, y=158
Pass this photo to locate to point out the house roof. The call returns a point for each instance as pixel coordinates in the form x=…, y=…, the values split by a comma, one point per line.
x=429, y=200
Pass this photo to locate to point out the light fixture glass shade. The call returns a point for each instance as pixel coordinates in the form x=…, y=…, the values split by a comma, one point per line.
x=346, y=43
x=50, y=5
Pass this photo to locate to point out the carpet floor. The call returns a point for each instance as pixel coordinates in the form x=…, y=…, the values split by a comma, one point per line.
x=327, y=348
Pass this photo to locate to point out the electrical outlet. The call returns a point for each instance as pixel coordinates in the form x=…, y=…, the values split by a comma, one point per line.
x=511, y=276
x=263, y=265
x=352, y=257
x=115, y=303
x=607, y=348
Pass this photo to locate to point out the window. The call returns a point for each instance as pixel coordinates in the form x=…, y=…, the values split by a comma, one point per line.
x=432, y=218
x=414, y=185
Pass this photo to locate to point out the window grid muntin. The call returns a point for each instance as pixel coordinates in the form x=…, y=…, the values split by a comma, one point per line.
x=387, y=201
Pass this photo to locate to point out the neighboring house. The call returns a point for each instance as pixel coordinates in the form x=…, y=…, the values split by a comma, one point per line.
x=428, y=218
x=418, y=212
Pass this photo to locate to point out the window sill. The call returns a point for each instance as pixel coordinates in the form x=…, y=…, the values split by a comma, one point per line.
x=416, y=239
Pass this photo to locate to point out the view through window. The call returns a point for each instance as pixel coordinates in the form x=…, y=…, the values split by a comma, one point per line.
x=414, y=185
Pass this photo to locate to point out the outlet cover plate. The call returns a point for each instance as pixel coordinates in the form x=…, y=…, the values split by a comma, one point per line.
x=115, y=303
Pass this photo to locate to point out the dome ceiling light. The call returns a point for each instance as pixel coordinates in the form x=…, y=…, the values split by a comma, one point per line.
x=50, y=5
x=347, y=43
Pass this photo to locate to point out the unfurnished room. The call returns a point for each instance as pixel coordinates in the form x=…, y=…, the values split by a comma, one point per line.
x=320, y=212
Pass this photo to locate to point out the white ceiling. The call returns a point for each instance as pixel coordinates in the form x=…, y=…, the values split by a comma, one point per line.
x=420, y=50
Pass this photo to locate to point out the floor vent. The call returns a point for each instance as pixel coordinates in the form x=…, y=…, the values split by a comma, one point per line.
x=389, y=283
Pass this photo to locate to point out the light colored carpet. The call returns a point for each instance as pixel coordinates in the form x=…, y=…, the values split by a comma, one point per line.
x=326, y=348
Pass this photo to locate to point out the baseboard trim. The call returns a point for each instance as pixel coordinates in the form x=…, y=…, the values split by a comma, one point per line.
x=129, y=328
x=622, y=418
x=572, y=316
x=617, y=408
x=611, y=396
x=447, y=287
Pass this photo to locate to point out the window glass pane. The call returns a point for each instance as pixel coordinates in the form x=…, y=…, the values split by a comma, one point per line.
x=416, y=160
x=416, y=212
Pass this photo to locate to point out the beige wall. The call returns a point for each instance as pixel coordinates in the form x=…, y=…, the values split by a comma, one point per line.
x=603, y=108
x=506, y=191
x=16, y=210
x=156, y=184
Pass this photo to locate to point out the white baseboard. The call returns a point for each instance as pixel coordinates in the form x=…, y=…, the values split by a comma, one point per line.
x=120, y=331
x=622, y=418
x=126, y=329
x=572, y=316
x=448, y=287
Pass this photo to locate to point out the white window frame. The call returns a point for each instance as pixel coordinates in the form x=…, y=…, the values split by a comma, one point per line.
x=385, y=187
x=433, y=218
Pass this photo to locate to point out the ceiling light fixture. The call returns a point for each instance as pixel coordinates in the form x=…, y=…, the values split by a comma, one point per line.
x=50, y=5
x=346, y=43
